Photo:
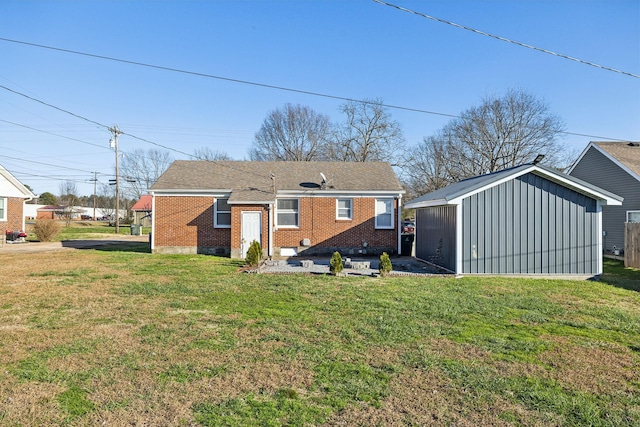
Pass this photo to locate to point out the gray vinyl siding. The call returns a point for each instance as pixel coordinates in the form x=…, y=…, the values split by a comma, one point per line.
x=529, y=225
x=595, y=168
x=436, y=235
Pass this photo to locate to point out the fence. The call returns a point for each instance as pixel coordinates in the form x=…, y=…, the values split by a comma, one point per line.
x=632, y=245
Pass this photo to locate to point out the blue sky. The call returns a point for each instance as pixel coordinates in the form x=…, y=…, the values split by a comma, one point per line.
x=355, y=49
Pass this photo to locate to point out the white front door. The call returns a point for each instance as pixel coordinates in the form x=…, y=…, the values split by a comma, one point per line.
x=251, y=230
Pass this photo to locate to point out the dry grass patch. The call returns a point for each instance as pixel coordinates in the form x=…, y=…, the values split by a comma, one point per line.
x=609, y=370
x=33, y=404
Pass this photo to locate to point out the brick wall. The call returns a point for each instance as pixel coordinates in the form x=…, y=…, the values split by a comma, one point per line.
x=185, y=224
x=318, y=223
x=15, y=214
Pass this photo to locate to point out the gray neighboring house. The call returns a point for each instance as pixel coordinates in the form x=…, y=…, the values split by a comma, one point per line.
x=615, y=167
x=527, y=220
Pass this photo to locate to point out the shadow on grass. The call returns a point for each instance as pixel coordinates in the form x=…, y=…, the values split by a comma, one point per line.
x=137, y=247
x=108, y=246
x=615, y=274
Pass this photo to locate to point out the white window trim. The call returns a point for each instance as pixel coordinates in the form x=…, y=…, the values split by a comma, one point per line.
x=338, y=217
x=391, y=226
x=631, y=211
x=288, y=211
x=4, y=209
x=216, y=212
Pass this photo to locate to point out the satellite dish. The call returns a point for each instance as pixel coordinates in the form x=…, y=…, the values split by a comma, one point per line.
x=324, y=178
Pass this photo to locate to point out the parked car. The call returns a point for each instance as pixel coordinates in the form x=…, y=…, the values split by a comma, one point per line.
x=408, y=227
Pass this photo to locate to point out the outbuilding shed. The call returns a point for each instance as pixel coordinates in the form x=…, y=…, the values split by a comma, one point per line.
x=527, y=220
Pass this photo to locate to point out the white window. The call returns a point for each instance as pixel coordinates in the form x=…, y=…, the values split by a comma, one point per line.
x=633, y=216
x=344, y=209
x=288, y=213
x=222, y=213
x=3, y=209
x=384, y=213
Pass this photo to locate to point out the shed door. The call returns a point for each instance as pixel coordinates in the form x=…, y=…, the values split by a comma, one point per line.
x=251, y=230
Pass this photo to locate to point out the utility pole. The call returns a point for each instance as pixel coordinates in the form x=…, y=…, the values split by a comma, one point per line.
x=95, y=182
x=113, y=143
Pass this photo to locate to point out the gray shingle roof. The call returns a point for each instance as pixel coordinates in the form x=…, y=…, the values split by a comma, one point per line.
x=251, y=181
x=468, y=186
x=627, y=153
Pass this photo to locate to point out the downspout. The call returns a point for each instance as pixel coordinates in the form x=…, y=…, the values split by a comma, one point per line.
x=601, y=248
x=24, y=202
x=270, y=247
x=399, y=221
x=152, y=240
x=271, y=207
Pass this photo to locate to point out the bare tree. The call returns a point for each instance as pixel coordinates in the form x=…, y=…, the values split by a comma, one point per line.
x=107, y=200
x=68, y=200
x=139, y=169
x=367, y=134
x=294, y=132
x=500, y=133
x=207, y=153
x=426, y=167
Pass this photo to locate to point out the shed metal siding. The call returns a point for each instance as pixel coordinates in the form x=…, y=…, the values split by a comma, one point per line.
x=597, y=169
x=436, y=235
x=529, y=225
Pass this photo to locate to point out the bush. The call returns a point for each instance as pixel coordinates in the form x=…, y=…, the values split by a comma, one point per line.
x=385, y=264
x=335, y=265
x=46, y=229
x=254, y=254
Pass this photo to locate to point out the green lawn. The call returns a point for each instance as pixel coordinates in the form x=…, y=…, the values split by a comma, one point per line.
x=80, y=230
x=128, y=338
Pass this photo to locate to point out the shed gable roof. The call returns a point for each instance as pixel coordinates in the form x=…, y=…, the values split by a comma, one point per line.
x=255, y=182
x=454, y=193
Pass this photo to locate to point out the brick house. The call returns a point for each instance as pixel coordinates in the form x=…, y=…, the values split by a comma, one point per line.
x=13, y=195
x=291, y=208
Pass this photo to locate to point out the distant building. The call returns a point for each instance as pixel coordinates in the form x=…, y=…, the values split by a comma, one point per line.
x=142, y=211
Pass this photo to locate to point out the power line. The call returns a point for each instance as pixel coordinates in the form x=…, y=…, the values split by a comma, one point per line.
x=45, y=164
x=54, y=134
x=504, y=39
x=259, y=85
x=53, y=106
x=228, y=79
